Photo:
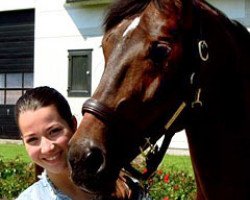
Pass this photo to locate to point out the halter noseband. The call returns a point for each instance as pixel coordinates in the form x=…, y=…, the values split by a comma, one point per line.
x=99, y=110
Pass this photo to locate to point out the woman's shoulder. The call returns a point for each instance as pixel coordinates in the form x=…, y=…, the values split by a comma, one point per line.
x=38, y=190
x=42, y=190
x=33, y=192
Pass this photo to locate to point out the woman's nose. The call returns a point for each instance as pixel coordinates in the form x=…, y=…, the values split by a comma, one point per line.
x=46, y=145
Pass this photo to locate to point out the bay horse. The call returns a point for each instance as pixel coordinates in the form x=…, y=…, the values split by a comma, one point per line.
x=169, y=65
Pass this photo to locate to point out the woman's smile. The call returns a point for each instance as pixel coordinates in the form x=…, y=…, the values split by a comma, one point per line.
x=53, y=158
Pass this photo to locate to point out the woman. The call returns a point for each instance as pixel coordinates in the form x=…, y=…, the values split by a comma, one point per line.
x=46, y=124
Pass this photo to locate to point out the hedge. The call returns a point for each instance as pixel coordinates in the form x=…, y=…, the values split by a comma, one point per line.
x=167, y=184
x=15, y=176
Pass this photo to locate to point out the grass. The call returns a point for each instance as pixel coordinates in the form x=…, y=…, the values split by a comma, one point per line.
x=11, y=151
x=182, y=163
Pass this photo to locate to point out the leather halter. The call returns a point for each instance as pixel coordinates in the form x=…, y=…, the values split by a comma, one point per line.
x=99, y=110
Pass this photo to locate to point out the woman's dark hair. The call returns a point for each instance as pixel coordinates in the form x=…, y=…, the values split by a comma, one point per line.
x=44, y=96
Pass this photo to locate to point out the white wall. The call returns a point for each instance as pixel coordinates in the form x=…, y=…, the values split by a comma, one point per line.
x=232, y=8
x=239, y=10
x=7, y=5
x=59, y=28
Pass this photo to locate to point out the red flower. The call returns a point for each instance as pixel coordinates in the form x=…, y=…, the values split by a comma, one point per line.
x=165, y=198
x=166, y=178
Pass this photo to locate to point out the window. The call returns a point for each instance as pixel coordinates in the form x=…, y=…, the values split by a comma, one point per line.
x=79, y=80
x=13, y=85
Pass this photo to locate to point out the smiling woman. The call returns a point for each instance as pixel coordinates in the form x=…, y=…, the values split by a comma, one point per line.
x=46, y=124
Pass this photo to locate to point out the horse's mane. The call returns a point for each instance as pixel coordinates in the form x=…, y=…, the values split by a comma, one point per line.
x=122, y=9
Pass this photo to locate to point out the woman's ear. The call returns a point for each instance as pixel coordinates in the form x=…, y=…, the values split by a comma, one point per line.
x=74, y=122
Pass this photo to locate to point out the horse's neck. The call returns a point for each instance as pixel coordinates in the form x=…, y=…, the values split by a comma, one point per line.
x=224, y=79
x=218, y=131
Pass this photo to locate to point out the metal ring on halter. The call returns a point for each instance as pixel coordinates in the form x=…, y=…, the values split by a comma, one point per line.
x=203, y=50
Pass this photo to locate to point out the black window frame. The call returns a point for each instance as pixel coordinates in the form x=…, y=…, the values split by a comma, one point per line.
x=21, y=89
x=87, y=74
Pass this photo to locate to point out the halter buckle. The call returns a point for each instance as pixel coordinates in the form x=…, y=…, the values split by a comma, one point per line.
x=203, y=50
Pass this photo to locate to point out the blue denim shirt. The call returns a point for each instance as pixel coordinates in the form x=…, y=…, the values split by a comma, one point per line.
x=42, y=190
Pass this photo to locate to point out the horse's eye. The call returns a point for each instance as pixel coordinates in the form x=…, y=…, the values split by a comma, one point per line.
x=159, y=51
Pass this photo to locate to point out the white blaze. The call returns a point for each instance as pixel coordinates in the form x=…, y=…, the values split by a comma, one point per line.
x=132, y=26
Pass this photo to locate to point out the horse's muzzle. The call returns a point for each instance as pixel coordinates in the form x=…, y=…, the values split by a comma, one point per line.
x=87, y=163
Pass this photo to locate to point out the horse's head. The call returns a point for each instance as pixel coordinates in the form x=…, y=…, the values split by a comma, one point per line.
x=141, y=87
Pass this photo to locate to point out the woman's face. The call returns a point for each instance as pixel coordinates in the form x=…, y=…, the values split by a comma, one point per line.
x=46, y=136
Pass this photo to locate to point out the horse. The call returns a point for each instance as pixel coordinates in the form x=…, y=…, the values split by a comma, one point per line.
x=170, y=65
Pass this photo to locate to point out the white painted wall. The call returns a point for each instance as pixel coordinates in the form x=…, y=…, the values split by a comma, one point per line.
x=8, y=5
x=59, y=28
x=232, y=8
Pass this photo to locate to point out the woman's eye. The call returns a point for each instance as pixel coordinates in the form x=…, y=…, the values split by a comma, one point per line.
x=55, y=132
x=32, y=141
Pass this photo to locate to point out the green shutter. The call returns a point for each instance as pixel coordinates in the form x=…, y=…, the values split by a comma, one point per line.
x=79, y=73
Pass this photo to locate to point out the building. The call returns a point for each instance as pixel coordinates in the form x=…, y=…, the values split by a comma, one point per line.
x=40, y=41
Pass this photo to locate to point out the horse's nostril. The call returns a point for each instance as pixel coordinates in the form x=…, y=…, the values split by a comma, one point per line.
x=89, y=162
x=93, y=162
